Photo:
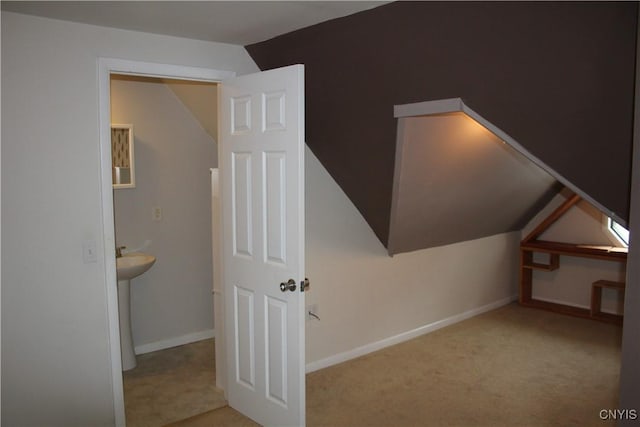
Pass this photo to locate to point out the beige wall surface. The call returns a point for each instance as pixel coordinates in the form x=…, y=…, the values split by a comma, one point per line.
x=365, y=298
x=173, y=154
x=56, y=367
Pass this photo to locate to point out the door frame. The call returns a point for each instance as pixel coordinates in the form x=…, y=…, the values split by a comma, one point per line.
x=106, y=67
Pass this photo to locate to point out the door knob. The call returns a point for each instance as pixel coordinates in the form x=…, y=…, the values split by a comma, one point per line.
x=290, y=285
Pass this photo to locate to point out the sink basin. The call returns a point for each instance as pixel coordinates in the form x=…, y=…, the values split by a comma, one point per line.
x=133, y=264
x=129, y=266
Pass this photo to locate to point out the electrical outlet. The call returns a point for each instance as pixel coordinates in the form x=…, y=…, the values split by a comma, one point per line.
x=156, y=213
x=312, y=312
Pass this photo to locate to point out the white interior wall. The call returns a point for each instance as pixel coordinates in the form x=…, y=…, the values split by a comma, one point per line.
x=171, y=304
x=197, y=98
x=56, y=367
x=367, y=300
x=571, y=283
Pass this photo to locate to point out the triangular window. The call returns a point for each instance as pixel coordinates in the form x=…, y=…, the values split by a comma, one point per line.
x=618, y=232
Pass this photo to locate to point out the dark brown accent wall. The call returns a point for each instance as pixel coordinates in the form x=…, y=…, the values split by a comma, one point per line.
x=557, y=77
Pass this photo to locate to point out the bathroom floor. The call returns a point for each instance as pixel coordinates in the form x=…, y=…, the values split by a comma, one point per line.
x=171, y=385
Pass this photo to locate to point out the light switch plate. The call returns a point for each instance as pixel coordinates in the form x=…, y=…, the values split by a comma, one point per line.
x=89, y=251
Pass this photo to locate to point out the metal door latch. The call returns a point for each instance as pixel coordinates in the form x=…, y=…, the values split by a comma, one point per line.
x=289, y=285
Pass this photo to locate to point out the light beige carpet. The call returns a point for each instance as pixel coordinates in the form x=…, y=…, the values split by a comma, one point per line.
x=513, y=366
x=222, y=417
x=171, y=385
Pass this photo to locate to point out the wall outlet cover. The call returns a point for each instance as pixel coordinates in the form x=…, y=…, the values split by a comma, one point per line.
x=156, y=213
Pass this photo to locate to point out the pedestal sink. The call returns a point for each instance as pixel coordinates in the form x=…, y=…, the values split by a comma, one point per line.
x=129, y=266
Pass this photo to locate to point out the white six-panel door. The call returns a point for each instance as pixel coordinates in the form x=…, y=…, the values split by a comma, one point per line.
x=262, y=174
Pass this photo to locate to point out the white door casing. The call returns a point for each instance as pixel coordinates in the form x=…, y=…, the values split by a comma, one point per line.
x=218, y=294
x=262, y=177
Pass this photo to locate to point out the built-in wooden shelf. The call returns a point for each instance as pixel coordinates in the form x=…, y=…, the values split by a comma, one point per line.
x=596, y=300
x=554, y=263
x=558, y=308
x=608, y=253
x=531, y=245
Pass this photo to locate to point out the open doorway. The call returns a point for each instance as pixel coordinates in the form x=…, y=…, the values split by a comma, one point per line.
x=167, y=214
x=280, y=181
x=107, y=68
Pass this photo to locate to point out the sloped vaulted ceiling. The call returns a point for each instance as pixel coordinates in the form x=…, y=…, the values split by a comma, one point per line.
x=458, y=177
x=558, y=77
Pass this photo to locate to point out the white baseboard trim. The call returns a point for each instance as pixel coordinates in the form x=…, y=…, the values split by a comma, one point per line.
x=175, y=341
x=405, y=336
